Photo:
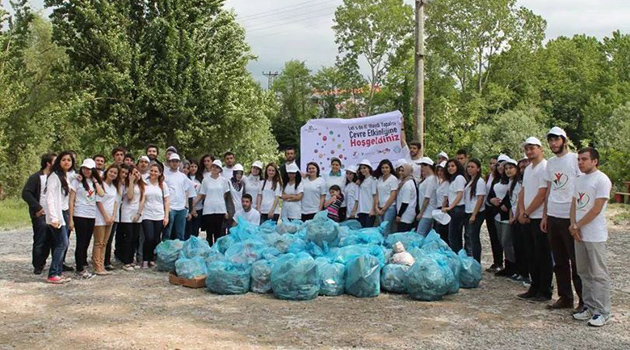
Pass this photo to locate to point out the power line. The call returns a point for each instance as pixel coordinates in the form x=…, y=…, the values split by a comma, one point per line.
x=297, y=20
x=291, y=8
x=279, y=32
x=292, y=19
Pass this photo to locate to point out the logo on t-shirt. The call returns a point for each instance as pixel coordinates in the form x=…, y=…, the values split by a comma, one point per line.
x=583, y=200
x=560, y=180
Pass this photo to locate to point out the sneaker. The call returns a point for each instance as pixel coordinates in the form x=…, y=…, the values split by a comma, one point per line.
x=598, y=321
x=579, y=308
x=516, y=278
x=503, y=273
x=137, y=267
x=85, y=275
x=527, y=282
x=494, y=268
x=55, y=280
x=583, y=315
x=67, y=268
x=127, y=268
x=109, y=268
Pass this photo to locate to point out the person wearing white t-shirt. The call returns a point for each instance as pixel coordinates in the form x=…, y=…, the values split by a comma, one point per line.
x=314, y=192
x=406, y=198
x=268, y=202
x=228, y=168
x=155, y=214
x=441, y=195
x=337, y=177
x=253, y=182
x=351, y=192
x=427, y=197
x=195, y=175
x=562, y=170
x=386, y=191
x=131, y=217
x=474, y=196
x=367, y=198
x=82, y=212
x=246, y=212
x=144, y=167
x=536, y=241
x=205, y=165
x=106, y=210
x=215, y=192
x=411, y=154
x=237, y=188
x=455, y=203
x=292, y=194
x=180, y=188
x=588, y=228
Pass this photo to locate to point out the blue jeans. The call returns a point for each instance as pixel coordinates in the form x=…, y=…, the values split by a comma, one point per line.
x=390, y=217
x=176, y=223
x=60, y=245
x=455, y=228
x=424, y=226
x=472, y=233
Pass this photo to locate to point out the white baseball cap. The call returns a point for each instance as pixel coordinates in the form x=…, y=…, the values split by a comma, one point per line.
x=352, y=169
x=258, y=164
x=88, y=163
x=511, y=161
x=145, y=158
x=366, y=162
x=292, y=168
x=442, y=164
x=557, y=131
x=238, y=167
x=443, y=154
x=441, y=217
x=534, y=141
x=174, y=156
x=218, y=163
x=427, y=161
x=502, y=158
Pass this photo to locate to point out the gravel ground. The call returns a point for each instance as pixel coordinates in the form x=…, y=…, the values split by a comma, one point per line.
x=141, y=310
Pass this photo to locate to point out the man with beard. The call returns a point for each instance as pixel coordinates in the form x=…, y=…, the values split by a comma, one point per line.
x=562, y=170
x=412, y=154
x=290, y=156
x=228, y=169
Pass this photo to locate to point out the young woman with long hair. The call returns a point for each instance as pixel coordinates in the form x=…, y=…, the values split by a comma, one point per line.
x=314, y=192
x=491, y=211
x=253, y=182
x=122, y=180
x=518, y=233
x=206, y=165
x=196, y=176
x=406, y=199
x=268, y=202
x=292, y=194
x=502, y=218
x=131, y=217
x=427, y=196
x=351, y=192
x=336, y=177
x=367, y=198
x=386, y=191
x=57, y=194
x=237, y=188
x=215, y=192
x=474, y=195
x=82, y=210
x=441, y=196
x=106, y=213
x=455, y=203
x=155, y=214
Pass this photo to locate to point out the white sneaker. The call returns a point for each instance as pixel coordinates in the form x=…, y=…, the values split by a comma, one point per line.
x=583, y=315
x=127, y=267
x=598, y=321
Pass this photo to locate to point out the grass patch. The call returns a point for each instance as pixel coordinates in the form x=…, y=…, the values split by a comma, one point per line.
x=619, y=213
x=13, y=214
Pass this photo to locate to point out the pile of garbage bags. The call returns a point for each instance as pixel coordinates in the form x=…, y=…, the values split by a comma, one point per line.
x=302, y=260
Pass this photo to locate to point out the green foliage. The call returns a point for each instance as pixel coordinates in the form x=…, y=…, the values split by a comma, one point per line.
x=13, y=213
x=614, y=144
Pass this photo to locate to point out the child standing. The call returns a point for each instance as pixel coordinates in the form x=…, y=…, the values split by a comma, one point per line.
x=334, y=203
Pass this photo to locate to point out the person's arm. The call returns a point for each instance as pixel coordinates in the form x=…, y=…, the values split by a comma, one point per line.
x=322, y=194
x=138, y=216
x=543, y=223
x=101, y=209
x=167, y=210
x=130, y=189
x=425, y=204
x=229, y=204
x=31, y=196
x=71, y=199
x=390, y=200
x=322, y=199
x=199, y=197
x=593, y=213
x=98, y=188
x=537, y=202
x=273, y=207
x=480, y=199
x=330, y=201
x=458, y=198
x=521, y=204
x=258, y=200
x=573, y=229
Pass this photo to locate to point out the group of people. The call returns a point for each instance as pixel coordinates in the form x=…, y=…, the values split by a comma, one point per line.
x=542, y=215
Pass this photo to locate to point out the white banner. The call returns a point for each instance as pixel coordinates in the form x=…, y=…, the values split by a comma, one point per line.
x=351, y=140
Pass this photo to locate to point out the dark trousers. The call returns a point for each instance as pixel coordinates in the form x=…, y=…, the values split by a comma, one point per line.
x=441, y=230
x=212, y=224
x=520, y=252
x=307, y=217
x=539, y=257
x=343, y=214
x=472, y=233
x=455, y=228
x=84, y=229
x=404, y=227
x=495, y=242
x=42, y=241
x=366, y=220
x=275, y=217
x=129, y=234
x=193, y=226
x=108, y=247
x=563, y=247
x=152, y=233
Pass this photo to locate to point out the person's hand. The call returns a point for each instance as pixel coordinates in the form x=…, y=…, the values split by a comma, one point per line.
x=135, y=218
x=40, y=213
x=55, y=224
x=70, y=225
x=79, y=177
x=495, y=201
x=576, y=232
x=165, y=222
x=270, y=214
x=472, y=219
x=227, y=216
x=543, y=225
x=445, y=210
x=188, y=217
x=419, y=216
x=398, y=219
x=372, y=212
x=109, y=220
x=194, y=213
x=512, y=220
x=522, y=219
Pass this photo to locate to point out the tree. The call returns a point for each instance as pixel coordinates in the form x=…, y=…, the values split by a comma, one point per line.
x=611, y=138
x=373, y=30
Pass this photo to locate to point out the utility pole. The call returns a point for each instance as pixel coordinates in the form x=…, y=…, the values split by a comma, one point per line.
x=418, y=106
x=270, y=77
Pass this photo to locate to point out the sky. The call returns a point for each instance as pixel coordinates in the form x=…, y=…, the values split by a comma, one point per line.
x=281, y=30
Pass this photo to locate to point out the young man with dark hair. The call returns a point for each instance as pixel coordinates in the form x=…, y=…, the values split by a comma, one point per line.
x=412, y=153
x=290, y=156
x=228, y=169
x=170, y=150
x=462, y=157
x=588, y=228
x=248, y=213
x=33, y=195
x=118, y=154
x=99, y=159
x=152, y=151
x=129, y=160
x=562, y=171
x=180, y=188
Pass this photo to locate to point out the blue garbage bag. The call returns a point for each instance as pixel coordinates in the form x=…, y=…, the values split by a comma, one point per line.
x=434, y=238
x=245, y=252
x=332, y=277
x=348, y=237
x=214, y=256
x=408, y=239
x=322, y=230
x=191, y=268
x=428, y=280
x=372, y=235
x=363, y=276
x=295, y=277
x=454, y=266
x=284, y=242
x=269, y=238
x=196, y=246
x=261, y=276
x=393, y=278
x=267, y=227
x=415, y=252
x=222, y=244
x=352, y=224
x=227, y=278
x=345, y=254
x=243, y=231
x=470, y=273
x=314, y=250
x=289, y=226
x=270, y=253
x=167, y=254
x=297, y=246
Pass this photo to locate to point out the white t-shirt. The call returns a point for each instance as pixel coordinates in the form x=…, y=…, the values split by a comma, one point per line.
x=514, y=197
x=428, y=189
x=415, y=164
x=489, y=182
x=196, y=187
x=145, y=177
x=252, y=187
x=456, y=186
x=313, y=190
x=237, y=196
x=407, y=194
x=252, y=216
x=214, y=190
x=501, y=190
x=129, y=208
x=269, y=196
x=533, y=180
x=561, y=174
x=293, y=210
x=85, y=201
x=589, y=188
x=227, y=173
x=154, y=201
x=441, y=193
x=367, y=190
x=384, y=188
x=180, y=187
x=470, y=203
x=42, y=188
x=350, y=194
x=335, y=180
x=108, y=200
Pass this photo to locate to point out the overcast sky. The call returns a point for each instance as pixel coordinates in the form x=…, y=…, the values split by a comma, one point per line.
x=281, y=30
